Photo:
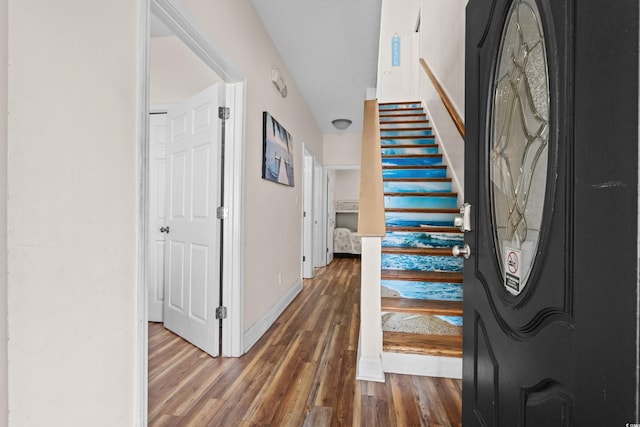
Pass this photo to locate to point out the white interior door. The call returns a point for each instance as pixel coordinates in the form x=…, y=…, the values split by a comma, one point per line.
x=331, y=217
x=192, y=250
x=156, y=218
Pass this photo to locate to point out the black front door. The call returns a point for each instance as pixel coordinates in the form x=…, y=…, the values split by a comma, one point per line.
x=551, y=173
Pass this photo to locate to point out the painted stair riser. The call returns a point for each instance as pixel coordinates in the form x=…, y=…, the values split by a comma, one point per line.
x=417, y=187
x=402, y=239
x=420, y=202
x=391, y=133
x=405, y=118
x=409, y=141
x=411, y=161
x=402, y=112
x=418, y=219
x=420, y=324
x=414, y=173
x=393, y=126
x=394, y=106
x=423, y=290
x=432, y=149
x=421, y=262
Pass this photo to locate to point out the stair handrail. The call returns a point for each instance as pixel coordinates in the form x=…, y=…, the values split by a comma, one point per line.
x=455, y=116
x=371, y=221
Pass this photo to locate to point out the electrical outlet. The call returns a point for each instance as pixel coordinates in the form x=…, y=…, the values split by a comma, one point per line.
x=280, y=279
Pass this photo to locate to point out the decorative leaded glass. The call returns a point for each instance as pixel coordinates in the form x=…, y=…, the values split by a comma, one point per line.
x=519, y=143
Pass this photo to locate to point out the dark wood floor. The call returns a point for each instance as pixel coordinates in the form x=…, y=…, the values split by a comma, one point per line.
x=300, y=373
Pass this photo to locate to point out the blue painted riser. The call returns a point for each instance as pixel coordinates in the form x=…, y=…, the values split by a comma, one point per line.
x=414, y=173
x=409, y=141
x=388, y=133
x=417, y=187
x=421, y=262
x=425, y=290
x=430, y=149
x=420, y=202
x=412, y=161
x=403, y=239
x=411, y=219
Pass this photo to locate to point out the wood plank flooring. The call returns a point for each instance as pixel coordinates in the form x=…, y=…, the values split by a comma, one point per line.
x=300, y=373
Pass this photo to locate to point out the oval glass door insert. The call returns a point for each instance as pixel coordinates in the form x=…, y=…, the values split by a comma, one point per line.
x=519, y=143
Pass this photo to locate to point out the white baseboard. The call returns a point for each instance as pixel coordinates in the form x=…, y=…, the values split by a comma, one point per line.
x=255, y=332
x=427, y=366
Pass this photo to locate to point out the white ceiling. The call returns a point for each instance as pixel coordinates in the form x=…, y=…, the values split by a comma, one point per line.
x=330, y=47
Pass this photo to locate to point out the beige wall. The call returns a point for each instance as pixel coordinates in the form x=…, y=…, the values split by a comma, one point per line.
x=347, y=184
x=272, y=212
x=398, y=83
x=72, y=183
x=442, y=45
x=176, y=73
x=3, y=214
x=342, y=149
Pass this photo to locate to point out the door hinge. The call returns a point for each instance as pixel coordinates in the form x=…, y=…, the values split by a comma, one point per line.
x=304, y=258
x=221, y=312
x=224, y=113
x=222, y=212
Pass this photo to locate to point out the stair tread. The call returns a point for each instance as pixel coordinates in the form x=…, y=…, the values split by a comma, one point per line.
x=410, y=113
x=414, y=167
x=401, y=129
x=404, y=122
x=398, y=102
x=424, y=210
x=432, y=345
x=416, y=179
x=422, y=276
x=417, y=251
x=420, y=306
x=422, y=194
x=425, y=229
x=410, y=156
x=409, y=146
x=383, y=137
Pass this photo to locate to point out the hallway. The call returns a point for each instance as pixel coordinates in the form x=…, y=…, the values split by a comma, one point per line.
x=301, y=373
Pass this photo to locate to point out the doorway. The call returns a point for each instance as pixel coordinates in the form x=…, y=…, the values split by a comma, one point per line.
x=183, y=26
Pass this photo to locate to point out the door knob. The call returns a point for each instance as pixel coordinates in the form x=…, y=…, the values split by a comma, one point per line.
x=164, y=229
x=465, y=251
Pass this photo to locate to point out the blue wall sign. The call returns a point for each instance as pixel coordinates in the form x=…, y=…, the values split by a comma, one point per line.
x=395, y=50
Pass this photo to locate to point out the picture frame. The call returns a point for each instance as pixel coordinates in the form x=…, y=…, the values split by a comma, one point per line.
x=277, y=152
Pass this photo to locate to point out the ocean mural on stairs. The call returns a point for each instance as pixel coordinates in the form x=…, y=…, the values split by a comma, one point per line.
x=408, y=173
x=412, y=141
x=420, y=209
x=422, y=239
x=422, y=290
x=419, y=219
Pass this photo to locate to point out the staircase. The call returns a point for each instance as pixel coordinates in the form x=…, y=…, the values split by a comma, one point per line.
x=421, y=279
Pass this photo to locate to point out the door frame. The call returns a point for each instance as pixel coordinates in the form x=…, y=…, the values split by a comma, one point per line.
x=175, y=16
x=308, y=215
